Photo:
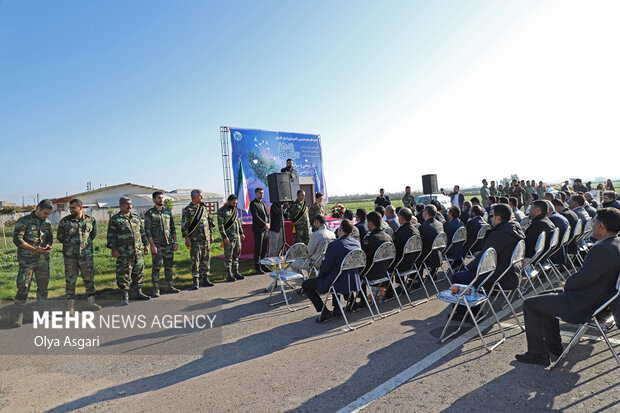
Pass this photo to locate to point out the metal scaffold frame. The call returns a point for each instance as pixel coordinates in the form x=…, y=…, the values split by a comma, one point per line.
x=226, y=160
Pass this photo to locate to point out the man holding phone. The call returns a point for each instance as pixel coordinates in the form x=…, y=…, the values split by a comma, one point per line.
x=33, y=238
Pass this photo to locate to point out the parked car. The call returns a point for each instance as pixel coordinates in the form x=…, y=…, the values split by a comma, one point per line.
x=441, y=198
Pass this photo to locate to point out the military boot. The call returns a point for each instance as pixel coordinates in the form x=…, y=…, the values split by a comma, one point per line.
x=170, y=288
x=124, y=297
x=19, y=313
x=196, y=284
x=139, y=295
x=155, y=289
x=229, y=276
x=92, y=306
x=206, y=282
x=235, y=273
x=71, y=306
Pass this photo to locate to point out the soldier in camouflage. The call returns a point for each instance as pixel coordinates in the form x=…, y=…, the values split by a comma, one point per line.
x=408, y=199
x=162, y=235
x=33, y=238
x=298, y=213
x=316, y=209
x=232, y=234
x=76, y=233
x=127, y=241
x=196, y=229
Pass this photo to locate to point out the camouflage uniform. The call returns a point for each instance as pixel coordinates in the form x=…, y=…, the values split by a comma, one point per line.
x=409, y=201
x=301, y=231
x=484, y=194
x=314, y=210
x=493, y=191
x=37, y=233
x=159, y=225
x=127, y=235
x=200, y=251
x=232, y=250
x=527, y=197
x=540, y=190
x=76, y=236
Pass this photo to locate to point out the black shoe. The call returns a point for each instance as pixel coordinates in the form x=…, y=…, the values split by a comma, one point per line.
x=206, y=282
x=530, y=358
x=350, y=301
x=238, y=276
x=230, y=279
x=325, y=316
x=139, y=295
x=195, y=285
x=259, y=270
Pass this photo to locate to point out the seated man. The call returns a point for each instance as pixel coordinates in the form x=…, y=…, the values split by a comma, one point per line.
x=384, y=225
x=330, y=267
x=429, y=231
x=540, y=223
x=572, y=219
x=590, y=205
x=583, y=293
x=465, y=212
x=449, y=227
x=576, y=203
x=371, y=242
x=504, y=237
x=490, y=202
x=391, y=218
x=514, y=202
x=562, y=223
x=439, y=216
x=609, y=200
x=473, y=226
x=315, y=245
x=360, y=215
x=419, y=213
x=405, y=231
x=348, y=214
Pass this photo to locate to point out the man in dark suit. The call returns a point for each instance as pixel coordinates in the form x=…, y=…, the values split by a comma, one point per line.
x=360, y=215
x=583, y=293
x=405, y=231
x=504, y=236
x=465, y=212
x=429, y=231
x=473, y=226
x=260, y=228
x=276, y=229
x=610, y=200
x=371, y=242
x=562, y=223
x=449, y=227
x=576, y=203
x=330, y=267
x=419, y=213
x=456, y=197
x=572, y=219
x=382, y=200
x=539, y=223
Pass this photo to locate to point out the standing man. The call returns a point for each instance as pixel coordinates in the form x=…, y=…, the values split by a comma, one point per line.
x=530, y=190
x=196, y=230
x=382, y=200
x=457, y=197
x=76, y=233
x=540, y=190
x=33, y=237
x=408, y=199
x=298, y=213
x=127, y=241
x=260, y=228
x=232, y=235
x=485, y=193
x=289, y=168
x=276, y=230
x=162, y=236
x=493, y=190
x=316, y=209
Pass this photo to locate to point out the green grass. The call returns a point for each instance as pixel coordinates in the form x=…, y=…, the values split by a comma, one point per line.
x=105, y=278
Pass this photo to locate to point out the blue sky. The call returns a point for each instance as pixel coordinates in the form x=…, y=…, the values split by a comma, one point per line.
x=118, y=91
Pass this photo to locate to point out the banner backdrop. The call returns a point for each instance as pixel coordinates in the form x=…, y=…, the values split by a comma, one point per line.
x=262, y=152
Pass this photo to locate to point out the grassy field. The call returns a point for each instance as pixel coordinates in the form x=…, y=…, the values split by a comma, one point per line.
x=105, y=278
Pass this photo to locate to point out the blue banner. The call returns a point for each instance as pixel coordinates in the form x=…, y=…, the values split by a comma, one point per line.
x=262, y=152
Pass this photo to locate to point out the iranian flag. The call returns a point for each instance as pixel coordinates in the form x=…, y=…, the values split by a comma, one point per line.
x=242, y=190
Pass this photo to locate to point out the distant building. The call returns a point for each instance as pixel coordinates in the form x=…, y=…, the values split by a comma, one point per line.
x=4, y=204
x=97, y=201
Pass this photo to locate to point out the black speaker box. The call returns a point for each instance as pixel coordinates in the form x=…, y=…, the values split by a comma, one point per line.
x=280, y=189
x=429, y=184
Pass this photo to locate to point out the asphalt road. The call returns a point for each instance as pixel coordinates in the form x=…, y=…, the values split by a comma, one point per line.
x=273, y=360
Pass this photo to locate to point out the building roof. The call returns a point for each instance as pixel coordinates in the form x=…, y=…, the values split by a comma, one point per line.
x=103, y=188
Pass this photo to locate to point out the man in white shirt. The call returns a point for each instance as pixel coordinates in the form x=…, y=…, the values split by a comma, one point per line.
x=317, y=240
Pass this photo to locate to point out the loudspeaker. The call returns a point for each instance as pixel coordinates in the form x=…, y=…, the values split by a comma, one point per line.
x=429, y=184
x=280, y=189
